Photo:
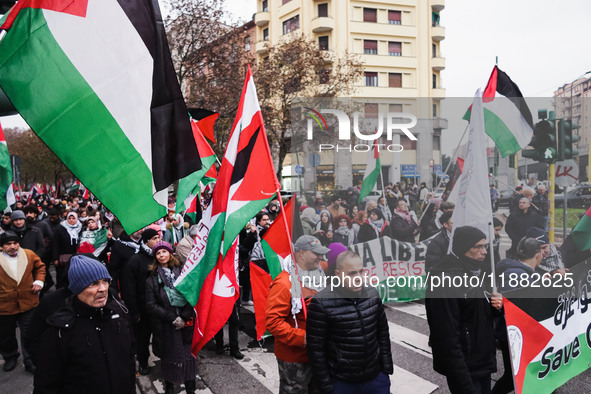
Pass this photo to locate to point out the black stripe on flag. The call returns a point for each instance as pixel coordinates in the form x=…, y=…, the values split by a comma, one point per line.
x=509, y=89
x=243, y=158
x=174, y=152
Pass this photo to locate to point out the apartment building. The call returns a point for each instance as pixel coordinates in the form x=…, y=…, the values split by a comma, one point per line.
x=399, y=43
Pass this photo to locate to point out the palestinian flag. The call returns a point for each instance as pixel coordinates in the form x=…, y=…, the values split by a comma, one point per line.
x=95, y=81
x=581, y=234
x=548, y=331
x=276, y=247
x=189, y=188
x=372, y=173
x=93, y=241
x=5, y=173
x=507, y=118
x=205, y=120
x=246, y=183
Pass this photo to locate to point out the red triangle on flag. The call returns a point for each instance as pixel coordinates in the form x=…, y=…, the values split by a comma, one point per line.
x=527, y=338
x=260, y=282
x=206, y=125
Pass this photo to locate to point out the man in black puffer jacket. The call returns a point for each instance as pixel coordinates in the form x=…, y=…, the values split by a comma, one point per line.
x=347, y=334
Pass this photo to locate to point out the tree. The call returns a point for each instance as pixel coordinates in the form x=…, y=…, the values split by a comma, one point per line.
x=38, y=162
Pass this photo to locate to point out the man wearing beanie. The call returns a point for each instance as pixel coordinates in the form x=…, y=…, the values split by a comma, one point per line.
x=88, y=346
x=29, y=236
x=22, y=275
x=133, y=292
x=460, y=317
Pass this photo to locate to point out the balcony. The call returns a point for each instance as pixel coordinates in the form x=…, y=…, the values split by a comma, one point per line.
x=262, y=47
x=437, y=33
x=262, y=19
x=328, y=56
x=438, y=93
x=439, y=123
x=322, y=24
x=437, y=5
x=438, y=63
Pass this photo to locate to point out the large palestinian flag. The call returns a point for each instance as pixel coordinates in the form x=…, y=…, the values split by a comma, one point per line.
x=246, y=183
x=549, y=331
x=372, y=173
x=95, y=81
x=507, y=118
x=5, y=173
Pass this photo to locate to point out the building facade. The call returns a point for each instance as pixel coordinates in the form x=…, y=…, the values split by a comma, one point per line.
x=399, y=43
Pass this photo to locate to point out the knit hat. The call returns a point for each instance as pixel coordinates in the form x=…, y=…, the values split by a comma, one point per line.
x=18, y=214
x=83, y=271
x=538, y=234
x=148, y=234
x=466, y=237
x=497, y=222
x=8, y=236
x=336, y=248
x=161, y=245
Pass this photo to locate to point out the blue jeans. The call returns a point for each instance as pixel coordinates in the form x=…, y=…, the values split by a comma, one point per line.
x=379, y=385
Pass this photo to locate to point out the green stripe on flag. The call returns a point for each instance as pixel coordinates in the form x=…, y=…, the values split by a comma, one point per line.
x=237, y=219
x=498, y=131
x=272, y=258
x=74, y=124
x=370, y=180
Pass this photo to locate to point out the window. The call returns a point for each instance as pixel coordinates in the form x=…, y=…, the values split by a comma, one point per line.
x=395, y=80
x=266, y=34
x=394, y=48
x=285, y=1
x=370, y=15
x=394, y=17
x=371, y=110
x=323, y=43
x=370, y=47
x=434, y=81
x=408, y=144
x=435, y=19
x=371, y=79
x=324, y=76
x=247, y=43
x=291, y=24
x=265, y=6
x=436, y=142
x=323, y=10
x=395, y=108
x=434, y=110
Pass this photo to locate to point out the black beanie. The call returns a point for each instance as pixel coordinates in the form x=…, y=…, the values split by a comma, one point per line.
x=466, y=237
x=148, y=234
x=497, y=222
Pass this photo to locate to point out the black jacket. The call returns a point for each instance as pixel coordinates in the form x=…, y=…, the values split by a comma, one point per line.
x=461, y=325
x=367, y=232
x=86, y=350
x=347, y=337
x=30, y=237
x=121, y=251
x=62, y=244
x=436, y=250
x=401, y=229
x=518, y=223
x=133, y=283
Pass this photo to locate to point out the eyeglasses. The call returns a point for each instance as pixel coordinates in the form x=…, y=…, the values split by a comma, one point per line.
x=480, y=247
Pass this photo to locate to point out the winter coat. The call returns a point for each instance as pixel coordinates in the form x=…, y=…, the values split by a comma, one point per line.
x=367, y=232
x=62, y=244
x=19, y=297
x=133, y=283
x=86, y=350
x=347, y=337
x=541, y=204
x=183, y=248
x=518, y=223
x=402, y=230
x=30, y=237
x=163, y=314
x=436, y=250
x=461, y=325
x=121, y=251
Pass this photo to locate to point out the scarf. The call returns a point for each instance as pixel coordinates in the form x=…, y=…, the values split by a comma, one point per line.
x=404, y=215
x=377, y=225
x=74, y=231
x=167, y=276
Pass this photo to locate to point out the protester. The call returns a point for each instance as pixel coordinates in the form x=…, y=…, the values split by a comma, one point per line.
x=308, y=223
x=286, y=319
x=437, y=248
x=173, y=321
x=403, y=227
x=185, y=245
x=22, y=275
x=518, y=222
x=347, y=334
x=121, y=251
x=374, y=227
x=358, y=221
x=29, y=236
x=87, y=347
x=65, y=245
x=460, y=318
x=324, y=231
x=343, y=232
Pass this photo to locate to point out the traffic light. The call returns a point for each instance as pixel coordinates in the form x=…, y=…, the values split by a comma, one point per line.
x=568, y=139
x=543, y=143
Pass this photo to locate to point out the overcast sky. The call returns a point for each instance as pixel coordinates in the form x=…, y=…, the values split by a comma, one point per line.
x=541, y=44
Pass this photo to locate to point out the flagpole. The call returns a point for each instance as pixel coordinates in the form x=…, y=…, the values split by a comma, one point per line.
x=491, y=232
x=448, y=166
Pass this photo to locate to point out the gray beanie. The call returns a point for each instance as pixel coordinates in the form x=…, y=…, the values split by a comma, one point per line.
x=83, y=271
x=18, y=214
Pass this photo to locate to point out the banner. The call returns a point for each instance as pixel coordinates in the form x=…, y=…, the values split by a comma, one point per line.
x=549, y=329
x=398, y=267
